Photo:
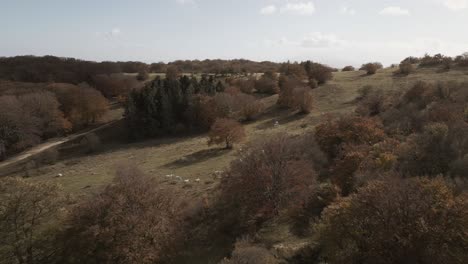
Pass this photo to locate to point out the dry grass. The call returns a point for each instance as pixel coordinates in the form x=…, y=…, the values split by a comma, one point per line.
x=191, y=158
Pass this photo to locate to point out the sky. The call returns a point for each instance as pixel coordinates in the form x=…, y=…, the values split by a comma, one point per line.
x=335, y=32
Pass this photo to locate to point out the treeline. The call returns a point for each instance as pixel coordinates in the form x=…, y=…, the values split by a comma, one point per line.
x=75, y=71
x=60, y=70
x=439, y=60
x=30, y=113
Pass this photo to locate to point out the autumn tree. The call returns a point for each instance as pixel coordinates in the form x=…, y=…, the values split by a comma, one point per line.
x=81, y=105
x=268, y=83
x=226, y=131
x=406, y=68
x=396, y=221
x=348, y=68
x=172, y=73
x=270, y=175
x=18, y=129
x=133, y=220
x=142, y=76
x=26, y=211
x=303, y=100
x=46, y=109
x=371, y=68
x=333, y=135
x=114, y=85
x=318, y=72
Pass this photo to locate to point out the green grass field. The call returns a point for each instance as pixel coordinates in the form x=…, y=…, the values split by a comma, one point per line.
x=191, y=158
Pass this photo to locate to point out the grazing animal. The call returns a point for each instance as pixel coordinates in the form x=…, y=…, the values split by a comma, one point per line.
x=59, y=175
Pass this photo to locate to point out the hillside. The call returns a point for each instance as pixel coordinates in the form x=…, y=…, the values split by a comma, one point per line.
x=191, y=158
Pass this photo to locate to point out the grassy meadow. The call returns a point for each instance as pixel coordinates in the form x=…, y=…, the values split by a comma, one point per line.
x=191, y=158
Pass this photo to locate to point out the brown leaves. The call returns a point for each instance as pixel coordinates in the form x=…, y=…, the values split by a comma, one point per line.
x=226, y=131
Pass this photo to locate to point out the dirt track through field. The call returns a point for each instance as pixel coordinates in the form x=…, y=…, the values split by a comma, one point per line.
x=48, y=145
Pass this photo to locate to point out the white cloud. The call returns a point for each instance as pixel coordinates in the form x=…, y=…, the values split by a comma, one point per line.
x=115, y=32
x=268, y=10
x=395, y=11
x=320, y=40
x=309, y=41
x=185, y=2
x=455, y=4
x=300, y=8
x=347, y=11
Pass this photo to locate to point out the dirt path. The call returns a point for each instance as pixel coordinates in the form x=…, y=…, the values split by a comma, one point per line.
x=49, y=144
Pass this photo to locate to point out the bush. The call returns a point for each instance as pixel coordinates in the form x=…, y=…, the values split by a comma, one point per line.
x=332, y=135
x=91, y=142
x=319, y=72
x=48, y=157
x=26, y=209
x=142, y=76
x=348, y=68
x=411, y=60
x=371, y=68
x=268, y=84
x=249, y=106
x=248, y=253
x=287, y=87
x=427, y=153
x=133, y=220
x=313, y=83
x=269, y=176
x=406, y=68
x=303, y=100
x=226, y=131
x=396, y=221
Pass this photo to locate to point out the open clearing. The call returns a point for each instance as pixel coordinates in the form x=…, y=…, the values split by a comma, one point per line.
x=191, y=158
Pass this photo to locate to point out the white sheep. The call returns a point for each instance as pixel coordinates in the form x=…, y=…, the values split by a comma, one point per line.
x=197, y=180
x=186, y=181
x=59, y=175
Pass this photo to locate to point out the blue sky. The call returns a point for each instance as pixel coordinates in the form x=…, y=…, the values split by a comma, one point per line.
x=336, y=32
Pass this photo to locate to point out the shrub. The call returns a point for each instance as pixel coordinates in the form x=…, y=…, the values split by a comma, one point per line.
x=348, y=68
x=372, y=102
x=303, y=100
x=142, y=76
x=133, y=220
x=428, y=153
x=313, y=83
x=333, y=134
x=319, y=72
x=344, y=167
x=91, y=142
x=268, y=84
x=25, y=211
x=114, y=85
x=371, y=68
x=172, y=72
x=248, y=253
x=411, y=60
x=269, y=176
x=250, y=107
x=396, y=221
x=406, y=68
x=226, y=131
x=49, y=156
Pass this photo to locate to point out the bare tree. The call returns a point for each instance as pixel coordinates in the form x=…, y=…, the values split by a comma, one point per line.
x=26, y=210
